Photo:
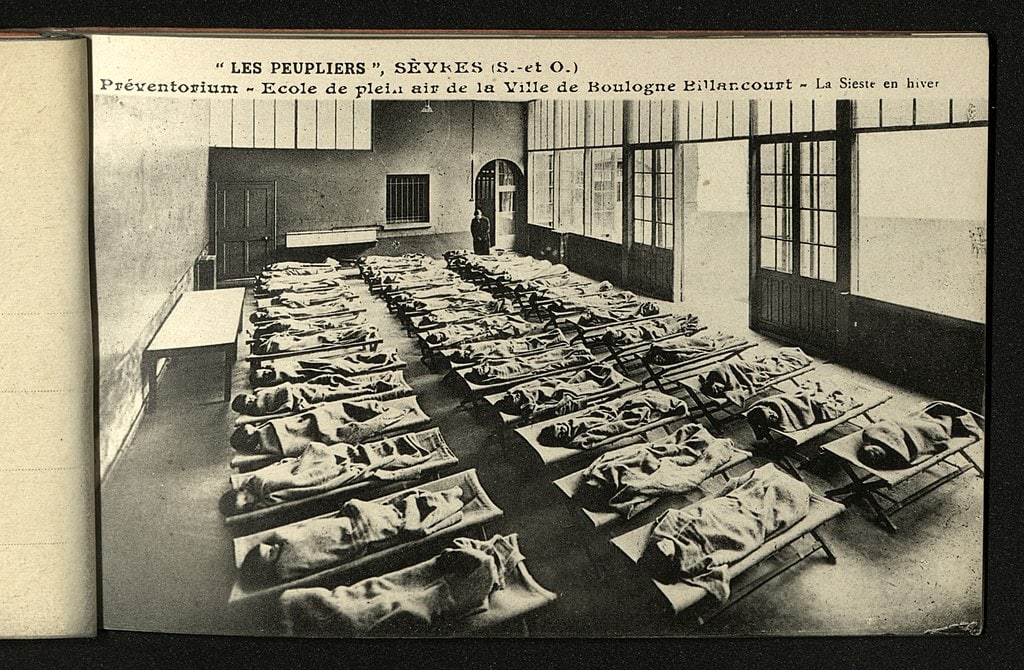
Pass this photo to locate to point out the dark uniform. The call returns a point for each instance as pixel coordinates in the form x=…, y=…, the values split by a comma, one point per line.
x=480, y=229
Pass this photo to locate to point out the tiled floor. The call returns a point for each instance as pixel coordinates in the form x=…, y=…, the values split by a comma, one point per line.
x=167, y=560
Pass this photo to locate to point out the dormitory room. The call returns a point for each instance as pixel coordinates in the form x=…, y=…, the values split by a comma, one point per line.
x=551, y=368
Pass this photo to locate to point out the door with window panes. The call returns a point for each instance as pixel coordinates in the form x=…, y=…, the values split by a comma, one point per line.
x=795, y=217
x=650, y=247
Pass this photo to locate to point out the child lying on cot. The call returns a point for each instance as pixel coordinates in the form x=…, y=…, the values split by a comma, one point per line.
x=277, y=287
x=322, y=467
x=739, y=378
x=898, y=444
x=296, y=327
x=275, y=283
x=652, y=329
x=300, y=300
x=298, y=268
x=491, y=327
x=493, y=372
x=812, y=403
x=630, y=480
x=421, y=599
x=341, y=421
x=277, y=312
x=595, y=316
x=441, y=317
x=610, y=419
x=282, y=342
x=498, y=349
x=696, y=544
x=562, y=394
x=467, y=300
x=307, y=547
x=687, y=347
x=294, y=397
x=329, y=371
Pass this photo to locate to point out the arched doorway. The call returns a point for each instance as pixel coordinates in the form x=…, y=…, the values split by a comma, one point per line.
x=500, y=193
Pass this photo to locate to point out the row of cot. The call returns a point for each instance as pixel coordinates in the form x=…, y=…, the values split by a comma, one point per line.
x=330, y=423
x=538, y=370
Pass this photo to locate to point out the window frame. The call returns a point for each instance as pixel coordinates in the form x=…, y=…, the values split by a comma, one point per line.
x=421, y=217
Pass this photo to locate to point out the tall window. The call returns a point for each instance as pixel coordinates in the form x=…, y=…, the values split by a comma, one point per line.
x=653, y=197
x=569, y=191
x=605, y=220
x=542, y=182
x=922, y=219
x=408, y=198
x=798, y=191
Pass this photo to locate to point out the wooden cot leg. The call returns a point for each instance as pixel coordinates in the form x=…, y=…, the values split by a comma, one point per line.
x=824, y=545
x=973, y=463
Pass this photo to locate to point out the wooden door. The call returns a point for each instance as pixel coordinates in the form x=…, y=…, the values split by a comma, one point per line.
x=650, y=240
x=795, y=214
x=245, y=227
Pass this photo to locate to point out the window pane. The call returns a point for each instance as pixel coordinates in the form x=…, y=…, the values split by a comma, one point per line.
x=808, y=226
x=827, y=154
x=767, y=194
x=768, y=221
x=768, y=158
x=827, y=192
x=785, y=256
x=768, y=254
x=827, y=228
x=808, y=197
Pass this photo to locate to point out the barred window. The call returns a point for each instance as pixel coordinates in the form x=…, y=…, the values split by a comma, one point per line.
x=408, y=198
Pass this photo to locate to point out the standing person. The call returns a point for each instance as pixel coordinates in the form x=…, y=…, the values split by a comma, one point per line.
x=480, y=229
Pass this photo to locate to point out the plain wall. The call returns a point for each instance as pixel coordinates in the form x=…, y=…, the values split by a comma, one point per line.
x=326, y=189
x=150, y=212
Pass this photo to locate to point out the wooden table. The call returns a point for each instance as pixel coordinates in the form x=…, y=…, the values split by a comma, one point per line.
x=200, y=321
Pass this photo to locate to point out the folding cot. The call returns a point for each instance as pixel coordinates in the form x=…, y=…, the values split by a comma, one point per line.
x=781, y=446
x=570, y=484
x=407, y=412
x=312, y=284
x=708, y=402
x=392, y=383
x=681, y=596
x=323, y=310
x=478, y=510
x=874, y=481
x=312, y=368
x=488, y=329
x=296, y=500
x=617, y=386
x=530, y=434
x=568, y=359
x=515, y=595
x=305, y=300
x=369, y=344
x=669, y=378
x=469, y=354
x=628, y=352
